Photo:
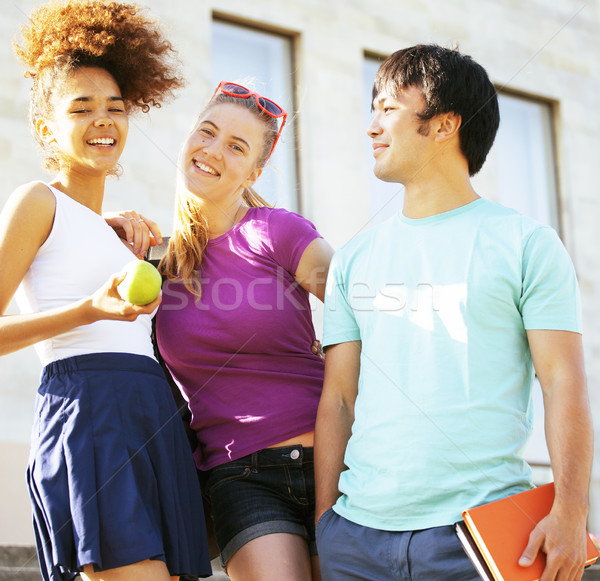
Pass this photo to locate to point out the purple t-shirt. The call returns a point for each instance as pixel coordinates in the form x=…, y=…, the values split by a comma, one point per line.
x=241, y=355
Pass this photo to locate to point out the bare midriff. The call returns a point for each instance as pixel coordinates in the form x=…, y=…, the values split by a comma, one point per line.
x=306, y=440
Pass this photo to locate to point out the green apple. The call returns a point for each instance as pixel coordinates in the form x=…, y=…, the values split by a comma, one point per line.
x=141, y=284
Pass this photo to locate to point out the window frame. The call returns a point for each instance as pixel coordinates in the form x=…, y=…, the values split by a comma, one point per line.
x=287, y=146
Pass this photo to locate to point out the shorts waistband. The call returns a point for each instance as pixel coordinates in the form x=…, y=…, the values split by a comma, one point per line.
x=282, y=454
x=103, y=361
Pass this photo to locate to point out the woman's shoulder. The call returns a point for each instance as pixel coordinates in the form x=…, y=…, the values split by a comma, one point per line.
x=28, y=215
x=281, y=218
x=33, y=191
x=33, y=199
x=277, y=231
x=273, y=223
x=270, y=213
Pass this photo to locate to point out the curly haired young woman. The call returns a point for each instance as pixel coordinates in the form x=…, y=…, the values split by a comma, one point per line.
x=113, y=486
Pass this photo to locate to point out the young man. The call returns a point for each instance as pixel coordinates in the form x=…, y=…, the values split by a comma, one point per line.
x=434, y=322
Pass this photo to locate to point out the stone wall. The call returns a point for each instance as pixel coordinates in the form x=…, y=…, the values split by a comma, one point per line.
x=546, y=49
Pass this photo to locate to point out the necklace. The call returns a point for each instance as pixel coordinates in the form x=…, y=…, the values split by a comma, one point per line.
x=227, y=225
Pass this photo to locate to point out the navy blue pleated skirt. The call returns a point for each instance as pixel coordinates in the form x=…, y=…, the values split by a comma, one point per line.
x=110, y=474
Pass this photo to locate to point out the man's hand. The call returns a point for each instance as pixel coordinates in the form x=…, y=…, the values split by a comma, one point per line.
x=562, y=538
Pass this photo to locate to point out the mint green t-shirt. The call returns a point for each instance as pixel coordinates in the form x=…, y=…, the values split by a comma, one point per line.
x=441, y=306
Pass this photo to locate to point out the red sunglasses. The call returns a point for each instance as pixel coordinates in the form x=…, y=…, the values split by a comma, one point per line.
x=269, y=107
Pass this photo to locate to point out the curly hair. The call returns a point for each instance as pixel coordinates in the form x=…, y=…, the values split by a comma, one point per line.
x=64, y=35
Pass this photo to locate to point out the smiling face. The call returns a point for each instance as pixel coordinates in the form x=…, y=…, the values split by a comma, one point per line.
x=88, y=124
x=219, y=158
x=401, y=144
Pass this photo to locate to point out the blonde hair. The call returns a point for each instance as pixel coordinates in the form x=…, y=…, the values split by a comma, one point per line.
x=190, y=232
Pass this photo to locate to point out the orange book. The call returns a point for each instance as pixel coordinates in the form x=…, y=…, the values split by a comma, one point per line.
x=495, y=535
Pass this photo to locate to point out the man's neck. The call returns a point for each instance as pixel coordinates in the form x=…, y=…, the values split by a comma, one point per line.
x=438, y=195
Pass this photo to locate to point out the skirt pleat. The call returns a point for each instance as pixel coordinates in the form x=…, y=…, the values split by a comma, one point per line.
x=111, y=477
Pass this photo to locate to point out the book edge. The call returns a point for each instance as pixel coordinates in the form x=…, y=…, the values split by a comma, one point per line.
x=472, y=550
x=485, y=553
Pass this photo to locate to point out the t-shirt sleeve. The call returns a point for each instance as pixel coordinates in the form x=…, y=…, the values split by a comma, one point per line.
x=550, y=293
x=339, y=323
x=289, y=235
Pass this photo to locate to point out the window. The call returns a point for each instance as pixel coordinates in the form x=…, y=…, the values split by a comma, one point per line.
x=264, y=61
x=520, y=171
x=385, y=198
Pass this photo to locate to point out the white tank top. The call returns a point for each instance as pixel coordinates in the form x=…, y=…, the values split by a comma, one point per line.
x=76, y=259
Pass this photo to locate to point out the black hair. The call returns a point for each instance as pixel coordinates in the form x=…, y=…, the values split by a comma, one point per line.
x=450, y=82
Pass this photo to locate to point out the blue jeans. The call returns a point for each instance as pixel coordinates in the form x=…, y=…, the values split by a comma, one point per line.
x=351, y=552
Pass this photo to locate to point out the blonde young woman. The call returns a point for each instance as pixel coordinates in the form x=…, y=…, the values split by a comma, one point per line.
x=235, y=331
x=114, y=491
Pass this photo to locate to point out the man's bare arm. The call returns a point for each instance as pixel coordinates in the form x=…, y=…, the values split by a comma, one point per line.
x=334, y=420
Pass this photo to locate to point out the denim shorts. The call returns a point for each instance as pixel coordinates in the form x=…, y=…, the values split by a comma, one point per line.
x=269, y=491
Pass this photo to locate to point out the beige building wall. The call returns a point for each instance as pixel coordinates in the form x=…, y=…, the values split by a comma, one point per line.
x=546, y=48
